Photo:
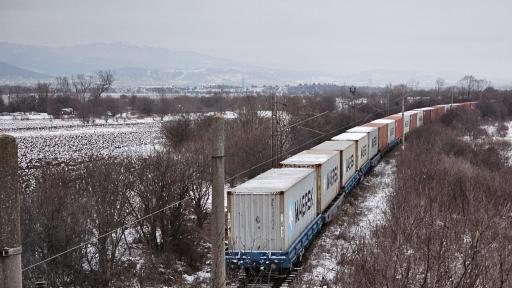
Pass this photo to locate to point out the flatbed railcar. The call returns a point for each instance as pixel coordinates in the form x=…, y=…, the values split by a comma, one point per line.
x=287, y=256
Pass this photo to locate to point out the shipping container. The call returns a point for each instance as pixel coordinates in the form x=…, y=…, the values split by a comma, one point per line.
x=437, y=112
x=327, y=167
x=426, y=115
x=466, y=104
x=419, y=118
x=398, y=125
x=407, y=124
x=383, y=134
x=373, y=138
x=361, y=141
x=391, y=128
x=347, y=150
x=270, y=211
x=413, y=120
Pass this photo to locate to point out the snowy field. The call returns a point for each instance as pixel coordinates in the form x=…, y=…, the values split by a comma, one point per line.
x=42, y=139
x=324, y=255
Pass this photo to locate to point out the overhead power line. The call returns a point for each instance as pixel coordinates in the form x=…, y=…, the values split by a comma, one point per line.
x=104, y=235
x=299, y=146
x=188, y=197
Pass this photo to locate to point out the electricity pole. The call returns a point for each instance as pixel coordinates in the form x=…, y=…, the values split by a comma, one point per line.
x=10, y=235
x=218, y=229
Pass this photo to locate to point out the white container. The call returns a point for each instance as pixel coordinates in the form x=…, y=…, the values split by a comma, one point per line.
x=327, y=167
x=391, y=128
x=419, y=118
x=270, y=211
x=347, y=150
x=407, y=122
x=362, y=147
x=373, y=138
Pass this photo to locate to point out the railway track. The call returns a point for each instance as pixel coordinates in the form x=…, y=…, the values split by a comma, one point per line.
x=269, y=279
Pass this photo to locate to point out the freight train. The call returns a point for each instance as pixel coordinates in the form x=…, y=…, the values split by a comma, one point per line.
x=272, y=218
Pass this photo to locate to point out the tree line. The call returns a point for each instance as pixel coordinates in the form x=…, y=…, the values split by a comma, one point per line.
x=85, y=95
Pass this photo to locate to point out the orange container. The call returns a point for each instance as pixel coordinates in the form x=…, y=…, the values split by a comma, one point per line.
x=383, y=134
x=399, y=126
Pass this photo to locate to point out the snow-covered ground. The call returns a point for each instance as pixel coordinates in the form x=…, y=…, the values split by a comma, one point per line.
x=42, y=139
x=509, y=139
x=493, y=131
x=322, y=265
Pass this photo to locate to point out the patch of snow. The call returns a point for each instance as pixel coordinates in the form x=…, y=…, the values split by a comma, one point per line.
x=327, y=252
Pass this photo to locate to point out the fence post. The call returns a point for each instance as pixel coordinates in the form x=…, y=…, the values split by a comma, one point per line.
x=10, y=236
x=218, y=230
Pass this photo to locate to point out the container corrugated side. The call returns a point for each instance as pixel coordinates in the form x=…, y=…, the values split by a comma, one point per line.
x=407, y=118
x=361, y=141
x=398, y=125
x=391, y=128
x=327, y=167
x=299, y=209
x=373, y=138
x=426, y=115
x=347, y=150
x=271, y=221
x=419, y=118
x=413, y=121
x=383, y=134
x=437, y=112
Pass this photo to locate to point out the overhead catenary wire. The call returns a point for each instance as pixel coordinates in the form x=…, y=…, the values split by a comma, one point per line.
x=105, y=234
x=307, y=119
x=299, y=146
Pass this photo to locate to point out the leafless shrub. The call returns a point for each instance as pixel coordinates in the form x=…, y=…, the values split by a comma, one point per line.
x=447, y=221
x=502, y=129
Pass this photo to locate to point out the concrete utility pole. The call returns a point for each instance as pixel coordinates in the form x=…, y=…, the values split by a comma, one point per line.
x=10, y=236
x=218, y=230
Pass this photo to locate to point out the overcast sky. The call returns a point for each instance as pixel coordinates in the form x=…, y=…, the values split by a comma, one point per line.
x=342, y=36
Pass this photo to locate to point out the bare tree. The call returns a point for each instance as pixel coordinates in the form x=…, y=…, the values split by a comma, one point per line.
x=109, y=208
x=468, y=84
x=63, y=86
x=105, y=79
x=82, y=85
x=43, y=91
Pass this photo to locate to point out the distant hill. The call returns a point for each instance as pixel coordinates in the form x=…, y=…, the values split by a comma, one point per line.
x=11, y=73
x=142, y=65
x=152, y=66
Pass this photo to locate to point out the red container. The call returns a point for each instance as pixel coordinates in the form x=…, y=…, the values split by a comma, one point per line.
x=383, y=134
x=437, y=112
x=427, y=115
x=399, y=126
x=413, y=123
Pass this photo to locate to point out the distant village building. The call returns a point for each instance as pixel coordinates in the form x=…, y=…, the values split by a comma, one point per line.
x=346, y=103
